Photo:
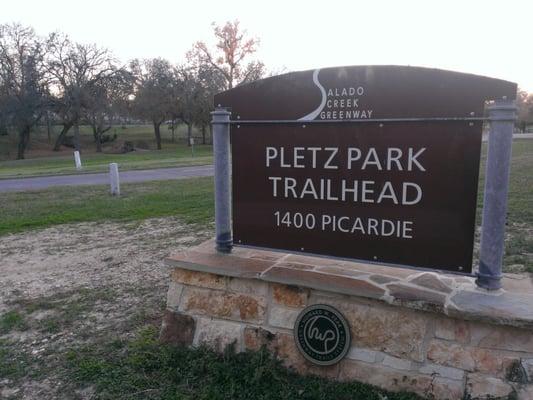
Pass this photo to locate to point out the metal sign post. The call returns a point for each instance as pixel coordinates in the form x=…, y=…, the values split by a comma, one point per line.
x=501, y=117
x=221, y=150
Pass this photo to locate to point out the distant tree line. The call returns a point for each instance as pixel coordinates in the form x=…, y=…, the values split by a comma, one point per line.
x=45, y=79
x=524, y=103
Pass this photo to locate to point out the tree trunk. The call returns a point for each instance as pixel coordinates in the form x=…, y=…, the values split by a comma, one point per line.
x=189, y=133
x=24, y=138
x=210, y=134
x=157, y=132
x=95, y=134
x=77, y=136
x=203, y=134
x=48, y=128
x=95, y=131
x=98, y=134
x=173, y=127
x=64, y=131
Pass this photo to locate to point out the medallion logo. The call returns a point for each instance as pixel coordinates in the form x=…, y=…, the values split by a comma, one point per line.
x=322, y=334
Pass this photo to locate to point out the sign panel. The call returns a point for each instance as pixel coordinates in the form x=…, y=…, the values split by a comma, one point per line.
x=401, y=190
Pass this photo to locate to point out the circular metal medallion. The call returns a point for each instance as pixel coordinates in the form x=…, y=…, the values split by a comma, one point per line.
x=322, y=334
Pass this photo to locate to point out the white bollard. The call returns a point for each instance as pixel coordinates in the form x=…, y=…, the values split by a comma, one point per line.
x=114, y=179
x=77, y=159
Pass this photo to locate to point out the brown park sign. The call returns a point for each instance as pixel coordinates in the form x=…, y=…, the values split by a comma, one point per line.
x=371, y=163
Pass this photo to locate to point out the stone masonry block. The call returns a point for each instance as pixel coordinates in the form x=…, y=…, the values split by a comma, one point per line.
x=398, y=380
x=177, y=329
x=201, y=279
x=451, y=355
x=397, y=331
x=507, y=338
x=248, y=286
x=218, y=334
x=369, y=356
x=525, y=392
x=480, y=386
x=397, y=363
x=452, y=329
x=473, y=359
x=442, y=371
x=432, y=281
x=282, y=317
x=254, y=338
x=222, y=304
x=527, y=364
x=290, y=296
x=174, y=295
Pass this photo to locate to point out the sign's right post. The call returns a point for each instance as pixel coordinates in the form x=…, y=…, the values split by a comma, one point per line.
x=501, y=118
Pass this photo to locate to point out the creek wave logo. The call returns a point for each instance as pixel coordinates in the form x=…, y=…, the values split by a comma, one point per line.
x=322, y=334
x=312, y=115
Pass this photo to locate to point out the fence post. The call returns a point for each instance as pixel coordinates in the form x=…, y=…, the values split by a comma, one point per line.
x=114, y=179
x=221, y=150
x=501, y=119
x=77, y=159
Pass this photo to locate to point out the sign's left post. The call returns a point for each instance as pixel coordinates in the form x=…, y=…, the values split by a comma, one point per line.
x=221, y=150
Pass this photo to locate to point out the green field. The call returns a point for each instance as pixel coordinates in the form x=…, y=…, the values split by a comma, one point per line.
x=191, y=199
x=41, y=160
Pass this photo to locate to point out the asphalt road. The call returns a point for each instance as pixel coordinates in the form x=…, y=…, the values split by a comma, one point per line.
x=161, y=174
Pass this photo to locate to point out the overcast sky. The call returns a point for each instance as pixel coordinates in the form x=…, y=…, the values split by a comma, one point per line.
x=492, y=38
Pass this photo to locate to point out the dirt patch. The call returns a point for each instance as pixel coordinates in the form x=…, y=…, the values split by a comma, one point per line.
x=77, y=285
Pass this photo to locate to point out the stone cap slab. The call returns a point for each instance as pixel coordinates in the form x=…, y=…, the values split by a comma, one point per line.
x=452, y=295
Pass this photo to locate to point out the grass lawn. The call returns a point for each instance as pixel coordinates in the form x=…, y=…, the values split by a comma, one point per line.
x=145, y=369
x=179, y=155
x=191, y=199
x=41, y=160
x=519, y=242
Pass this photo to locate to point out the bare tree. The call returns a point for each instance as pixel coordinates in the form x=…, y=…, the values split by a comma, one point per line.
x=524, y=103
x=3, y=109
x=187, y=96
x=231, y=54
x=210, y=81
x=107, y=100
x=77, y=70
x=154, y=92
x=23, y=80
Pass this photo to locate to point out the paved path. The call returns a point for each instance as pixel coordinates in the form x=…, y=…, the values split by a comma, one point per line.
x=515, y=136
x=523, y=136
x=161, y=174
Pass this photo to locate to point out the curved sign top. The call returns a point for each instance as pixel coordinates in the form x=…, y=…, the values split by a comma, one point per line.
x=365, y=92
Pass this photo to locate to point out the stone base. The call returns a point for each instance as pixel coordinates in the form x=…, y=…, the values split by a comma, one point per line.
x=435, y=335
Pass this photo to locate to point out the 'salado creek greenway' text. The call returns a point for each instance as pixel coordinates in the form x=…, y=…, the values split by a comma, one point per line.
x=369, y=160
